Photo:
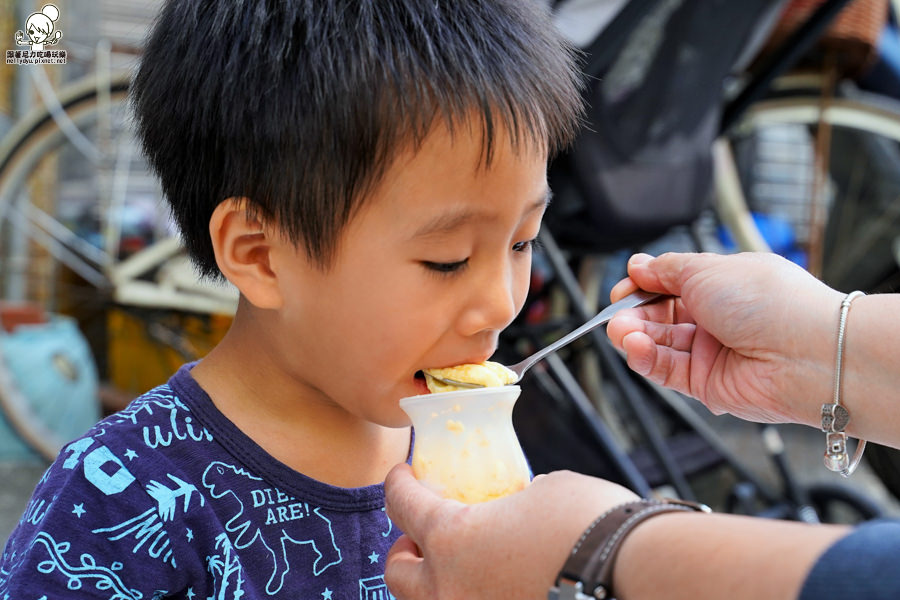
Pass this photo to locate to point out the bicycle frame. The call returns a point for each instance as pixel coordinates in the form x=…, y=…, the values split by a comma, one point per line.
x=126, y=281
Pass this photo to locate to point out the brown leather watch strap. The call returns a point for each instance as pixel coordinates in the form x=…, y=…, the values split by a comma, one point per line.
x=587, y=573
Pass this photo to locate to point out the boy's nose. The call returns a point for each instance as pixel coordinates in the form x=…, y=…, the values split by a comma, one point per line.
x=492, y=304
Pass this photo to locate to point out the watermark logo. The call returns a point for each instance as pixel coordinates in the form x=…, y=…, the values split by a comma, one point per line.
x=39, y=32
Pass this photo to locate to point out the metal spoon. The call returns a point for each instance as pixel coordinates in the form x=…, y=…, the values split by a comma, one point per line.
x=630, y=301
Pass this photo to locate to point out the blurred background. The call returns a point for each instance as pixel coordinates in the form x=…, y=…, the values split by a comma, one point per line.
x=97, y=302
x=767, y=125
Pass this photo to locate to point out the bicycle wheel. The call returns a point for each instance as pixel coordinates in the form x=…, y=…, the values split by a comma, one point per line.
x=83, y=225
x=56, y=179
x=822, y=180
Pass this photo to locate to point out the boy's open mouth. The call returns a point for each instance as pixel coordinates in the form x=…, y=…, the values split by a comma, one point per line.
x=421, y=384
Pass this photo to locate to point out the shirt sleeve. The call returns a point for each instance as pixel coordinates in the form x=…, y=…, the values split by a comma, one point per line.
x=91, y=530
x=860, y=566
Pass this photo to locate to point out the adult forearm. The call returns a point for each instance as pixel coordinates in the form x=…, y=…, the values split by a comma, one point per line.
x=871, y=367
x=871, y=362
x=699, y=556
x=871, y=373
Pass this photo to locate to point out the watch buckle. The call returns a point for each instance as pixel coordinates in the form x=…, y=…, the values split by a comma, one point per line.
x=568, y=589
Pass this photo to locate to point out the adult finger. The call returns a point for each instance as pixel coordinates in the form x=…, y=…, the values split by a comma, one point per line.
x=622, y=289
x=407, y=501
x=678, y=336
x=403, y=569
x=660, y=364
x=627, y=285
x=404, y=550
x=668, y=272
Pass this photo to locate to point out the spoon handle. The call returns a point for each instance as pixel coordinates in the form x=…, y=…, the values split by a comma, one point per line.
x=630, y=301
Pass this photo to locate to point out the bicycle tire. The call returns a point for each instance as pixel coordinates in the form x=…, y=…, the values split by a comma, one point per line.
x=81, y=93
x=827, y=497
x=874, y=123
x=37, y=135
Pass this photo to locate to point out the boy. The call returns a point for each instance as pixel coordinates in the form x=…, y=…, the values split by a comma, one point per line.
x=370, y=175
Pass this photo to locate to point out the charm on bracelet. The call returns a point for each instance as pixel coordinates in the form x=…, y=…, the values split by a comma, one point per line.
x=835, y=419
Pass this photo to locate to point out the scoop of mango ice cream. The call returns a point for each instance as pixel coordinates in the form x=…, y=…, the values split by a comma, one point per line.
x=487, y=374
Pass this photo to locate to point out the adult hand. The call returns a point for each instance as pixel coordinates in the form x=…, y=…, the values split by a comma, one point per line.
x=512, y=547
x=748, y=334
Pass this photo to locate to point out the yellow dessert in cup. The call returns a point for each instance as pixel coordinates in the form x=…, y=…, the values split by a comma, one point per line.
x=465, y=445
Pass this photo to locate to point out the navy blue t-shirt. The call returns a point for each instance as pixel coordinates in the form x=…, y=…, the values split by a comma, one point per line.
x=168, y=499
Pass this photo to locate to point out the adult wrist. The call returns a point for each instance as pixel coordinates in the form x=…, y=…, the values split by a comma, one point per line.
x=588, y=571
x=806, y=377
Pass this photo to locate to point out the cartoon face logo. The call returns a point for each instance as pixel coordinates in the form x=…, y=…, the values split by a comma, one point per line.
x=39, y=29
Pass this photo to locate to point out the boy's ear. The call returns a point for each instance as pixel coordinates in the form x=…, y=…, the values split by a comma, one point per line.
x=243, y=247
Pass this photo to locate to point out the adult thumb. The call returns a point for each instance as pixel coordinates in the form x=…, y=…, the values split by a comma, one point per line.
x=408, y=502
x=665, y=273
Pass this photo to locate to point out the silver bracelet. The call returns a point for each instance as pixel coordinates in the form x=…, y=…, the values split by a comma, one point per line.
x=835, y=417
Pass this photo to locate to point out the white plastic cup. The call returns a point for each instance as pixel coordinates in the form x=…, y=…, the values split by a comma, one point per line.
x=465, y=445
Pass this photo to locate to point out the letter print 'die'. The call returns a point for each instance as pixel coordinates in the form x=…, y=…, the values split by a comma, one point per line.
x=245, y=529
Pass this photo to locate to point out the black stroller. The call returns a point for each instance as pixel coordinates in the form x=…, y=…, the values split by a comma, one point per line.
x=658, y=78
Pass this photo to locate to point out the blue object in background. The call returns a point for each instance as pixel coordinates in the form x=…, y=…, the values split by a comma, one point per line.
x=778, y=233
x=52, y=367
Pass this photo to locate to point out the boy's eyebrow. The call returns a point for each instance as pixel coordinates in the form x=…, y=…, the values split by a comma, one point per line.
x=449, y=221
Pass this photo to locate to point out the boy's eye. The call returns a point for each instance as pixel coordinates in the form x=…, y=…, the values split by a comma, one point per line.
x=525, y=246
x=445, y=268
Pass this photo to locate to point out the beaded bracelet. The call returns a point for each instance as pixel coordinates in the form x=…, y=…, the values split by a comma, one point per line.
x=835, y=417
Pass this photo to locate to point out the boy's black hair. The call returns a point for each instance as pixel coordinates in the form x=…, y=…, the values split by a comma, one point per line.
x=301, y=105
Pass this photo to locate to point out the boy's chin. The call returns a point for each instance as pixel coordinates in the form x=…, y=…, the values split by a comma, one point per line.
x=395, y=420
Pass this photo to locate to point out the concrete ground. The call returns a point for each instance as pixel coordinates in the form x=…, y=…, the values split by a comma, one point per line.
x=18, y=480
